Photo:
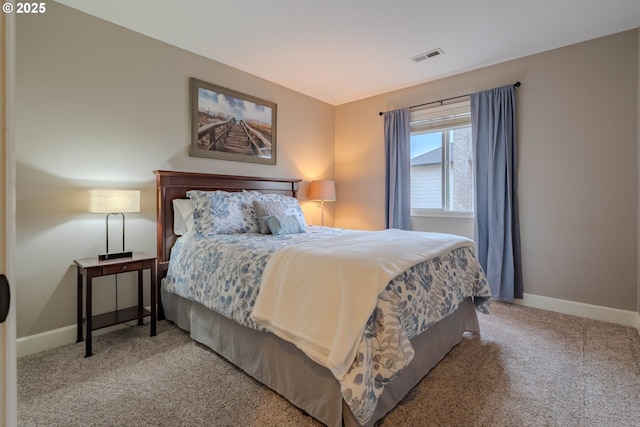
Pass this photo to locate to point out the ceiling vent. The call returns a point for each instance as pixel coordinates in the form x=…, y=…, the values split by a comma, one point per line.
x=427, y=55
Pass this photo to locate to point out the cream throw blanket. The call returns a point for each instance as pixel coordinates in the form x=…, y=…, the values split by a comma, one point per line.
x=319, y=295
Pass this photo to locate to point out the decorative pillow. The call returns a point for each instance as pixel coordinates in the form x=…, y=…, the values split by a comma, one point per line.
x=249, y=211
x=266, y=209
x=183, y=217
x=283, y=225
x=291, y=206
x=219, y=212
x=252, y=195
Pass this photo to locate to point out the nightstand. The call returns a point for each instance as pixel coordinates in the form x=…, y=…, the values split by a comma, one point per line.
x=92, y=267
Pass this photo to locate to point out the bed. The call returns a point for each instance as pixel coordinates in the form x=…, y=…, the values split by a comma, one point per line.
x=379, y=376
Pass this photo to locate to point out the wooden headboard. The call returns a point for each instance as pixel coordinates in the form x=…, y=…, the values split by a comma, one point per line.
x=174, y=185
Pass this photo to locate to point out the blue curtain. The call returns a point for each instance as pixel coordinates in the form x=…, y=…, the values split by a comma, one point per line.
x=397, y=134
x=497, y=230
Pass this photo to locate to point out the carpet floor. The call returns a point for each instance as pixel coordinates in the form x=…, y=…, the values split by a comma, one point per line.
x=527, y=367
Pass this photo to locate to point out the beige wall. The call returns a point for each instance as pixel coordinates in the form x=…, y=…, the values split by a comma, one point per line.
x=101, y=106
x=577, y=115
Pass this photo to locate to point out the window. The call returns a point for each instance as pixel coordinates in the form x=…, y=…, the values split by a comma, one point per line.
x=441, y=160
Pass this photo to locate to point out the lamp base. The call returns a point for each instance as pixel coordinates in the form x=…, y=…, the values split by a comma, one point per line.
x=114, y=255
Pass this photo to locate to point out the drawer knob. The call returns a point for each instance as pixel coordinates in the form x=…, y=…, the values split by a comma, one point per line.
x=124, y=267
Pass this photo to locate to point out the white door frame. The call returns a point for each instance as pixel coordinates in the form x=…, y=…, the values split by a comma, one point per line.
x=8, y=389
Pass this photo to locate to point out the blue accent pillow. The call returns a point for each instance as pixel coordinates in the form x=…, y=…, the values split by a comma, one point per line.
x=283, y=225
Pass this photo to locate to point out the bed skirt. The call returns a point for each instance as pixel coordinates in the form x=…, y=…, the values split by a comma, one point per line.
x=282, y=367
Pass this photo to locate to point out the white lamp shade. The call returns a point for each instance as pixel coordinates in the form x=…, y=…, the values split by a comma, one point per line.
x=323, y=190
x=114, y=201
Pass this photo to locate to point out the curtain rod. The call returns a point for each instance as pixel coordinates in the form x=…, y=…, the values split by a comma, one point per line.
x=516, y=84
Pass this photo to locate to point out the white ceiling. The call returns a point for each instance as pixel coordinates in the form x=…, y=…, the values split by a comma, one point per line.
x=339, y=51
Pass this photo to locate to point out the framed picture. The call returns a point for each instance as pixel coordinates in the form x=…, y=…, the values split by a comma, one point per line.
x=230, y=125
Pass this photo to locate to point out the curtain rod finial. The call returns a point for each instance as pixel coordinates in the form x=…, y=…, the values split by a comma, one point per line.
x=517, y=84
x=381, y=113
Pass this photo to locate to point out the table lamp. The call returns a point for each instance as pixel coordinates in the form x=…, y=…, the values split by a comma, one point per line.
x=323, y=190
x=114, y=202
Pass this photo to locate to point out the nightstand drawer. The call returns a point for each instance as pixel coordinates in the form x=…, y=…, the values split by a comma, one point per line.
x=112, y=269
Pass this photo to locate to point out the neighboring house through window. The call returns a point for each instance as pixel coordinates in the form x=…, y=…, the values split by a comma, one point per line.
x=442, y=160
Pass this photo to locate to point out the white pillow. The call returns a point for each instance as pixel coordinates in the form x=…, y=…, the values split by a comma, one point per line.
x=183, y=217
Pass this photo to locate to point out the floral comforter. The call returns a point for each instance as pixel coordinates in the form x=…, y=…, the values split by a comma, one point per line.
x=224, y=273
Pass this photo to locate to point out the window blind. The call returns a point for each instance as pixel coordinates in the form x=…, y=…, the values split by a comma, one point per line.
x=441, y=116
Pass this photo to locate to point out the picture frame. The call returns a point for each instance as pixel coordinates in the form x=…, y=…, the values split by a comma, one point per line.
x=230, y=125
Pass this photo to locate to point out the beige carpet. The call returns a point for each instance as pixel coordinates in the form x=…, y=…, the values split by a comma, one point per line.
x=527, y=368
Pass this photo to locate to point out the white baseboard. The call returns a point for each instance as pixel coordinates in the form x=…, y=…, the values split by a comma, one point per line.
x=59, y=337
x=67, y=335
x=596, y=312
x=55, y=338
